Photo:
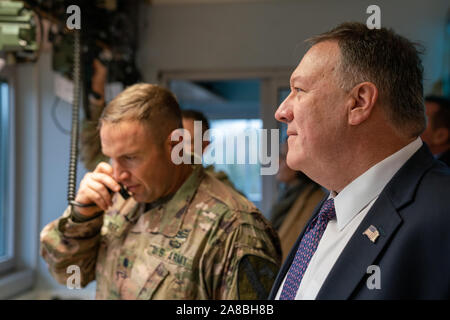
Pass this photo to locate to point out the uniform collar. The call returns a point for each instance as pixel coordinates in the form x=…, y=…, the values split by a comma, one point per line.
x=172, y=212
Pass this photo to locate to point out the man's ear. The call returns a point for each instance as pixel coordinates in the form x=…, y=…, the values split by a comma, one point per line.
x=440, y=136
x=205, y=144
x=363, y=98
x=176, y=136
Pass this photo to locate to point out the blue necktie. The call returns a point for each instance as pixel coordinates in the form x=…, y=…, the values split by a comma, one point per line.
x=306, y=249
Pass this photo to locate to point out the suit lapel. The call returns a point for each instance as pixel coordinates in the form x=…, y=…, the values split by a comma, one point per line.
x=360, y=252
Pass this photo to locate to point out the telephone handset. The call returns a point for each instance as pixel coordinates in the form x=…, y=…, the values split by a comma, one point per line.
x=123, y=192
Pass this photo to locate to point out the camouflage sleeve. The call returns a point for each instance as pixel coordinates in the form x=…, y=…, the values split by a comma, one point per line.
x=244, y=260
x=65, y=242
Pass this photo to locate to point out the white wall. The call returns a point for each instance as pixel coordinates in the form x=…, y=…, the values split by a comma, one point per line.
x=271, y=34
x=42, y=166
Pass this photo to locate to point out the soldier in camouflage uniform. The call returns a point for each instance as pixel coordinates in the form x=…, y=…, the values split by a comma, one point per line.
x=183, y=234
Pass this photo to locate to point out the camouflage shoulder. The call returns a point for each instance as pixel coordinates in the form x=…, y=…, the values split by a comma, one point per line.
x=219, y=175
x=235, y=209
x=226, y=194
x=222, y=176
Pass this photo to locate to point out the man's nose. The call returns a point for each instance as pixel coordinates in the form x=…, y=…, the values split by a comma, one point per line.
x=284, y=111
x=119, y=173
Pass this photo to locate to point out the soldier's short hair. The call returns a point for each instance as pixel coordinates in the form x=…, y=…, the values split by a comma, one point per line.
x=152, y=105
x=389, y=61
x=196, y=116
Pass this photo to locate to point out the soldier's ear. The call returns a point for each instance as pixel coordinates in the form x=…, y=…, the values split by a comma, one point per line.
x=177, y=136
x=176, y=139
x=205, y=144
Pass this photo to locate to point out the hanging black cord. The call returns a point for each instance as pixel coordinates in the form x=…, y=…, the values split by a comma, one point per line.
x=75, y=125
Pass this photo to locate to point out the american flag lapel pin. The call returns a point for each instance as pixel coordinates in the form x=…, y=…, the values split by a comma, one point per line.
x=372, y=233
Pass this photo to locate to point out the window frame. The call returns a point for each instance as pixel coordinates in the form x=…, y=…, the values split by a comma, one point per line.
x=18, y=273
x=8, y=261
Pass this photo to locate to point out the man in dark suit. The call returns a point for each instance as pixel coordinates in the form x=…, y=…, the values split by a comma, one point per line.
x=437, y=133
x=354, y=116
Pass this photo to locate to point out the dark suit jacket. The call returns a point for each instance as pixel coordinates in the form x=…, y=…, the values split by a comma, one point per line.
x=412, y=214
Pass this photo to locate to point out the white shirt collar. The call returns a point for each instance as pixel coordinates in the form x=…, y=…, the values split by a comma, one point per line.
x=361, y=191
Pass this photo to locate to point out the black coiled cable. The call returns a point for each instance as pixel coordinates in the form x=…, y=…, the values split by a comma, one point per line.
x=75, y=111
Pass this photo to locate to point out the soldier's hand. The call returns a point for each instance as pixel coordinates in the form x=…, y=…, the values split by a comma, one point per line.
x=93, y=189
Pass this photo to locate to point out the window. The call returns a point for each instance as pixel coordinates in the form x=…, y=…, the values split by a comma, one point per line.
x=6, y=216
x=19, y=222
x=233, y=110
x=245, y=177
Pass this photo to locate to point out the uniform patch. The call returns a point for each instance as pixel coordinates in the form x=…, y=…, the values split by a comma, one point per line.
x=182, y=234
x=255, y=277
x=175, y=244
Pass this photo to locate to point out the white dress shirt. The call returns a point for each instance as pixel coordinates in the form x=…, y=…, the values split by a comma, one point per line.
x=351, y=205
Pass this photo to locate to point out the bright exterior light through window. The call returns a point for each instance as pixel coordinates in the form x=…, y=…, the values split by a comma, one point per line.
x=246, y=177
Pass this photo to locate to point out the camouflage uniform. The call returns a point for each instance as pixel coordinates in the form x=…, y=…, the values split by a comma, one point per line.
x=206, y=242
x=221, y=176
